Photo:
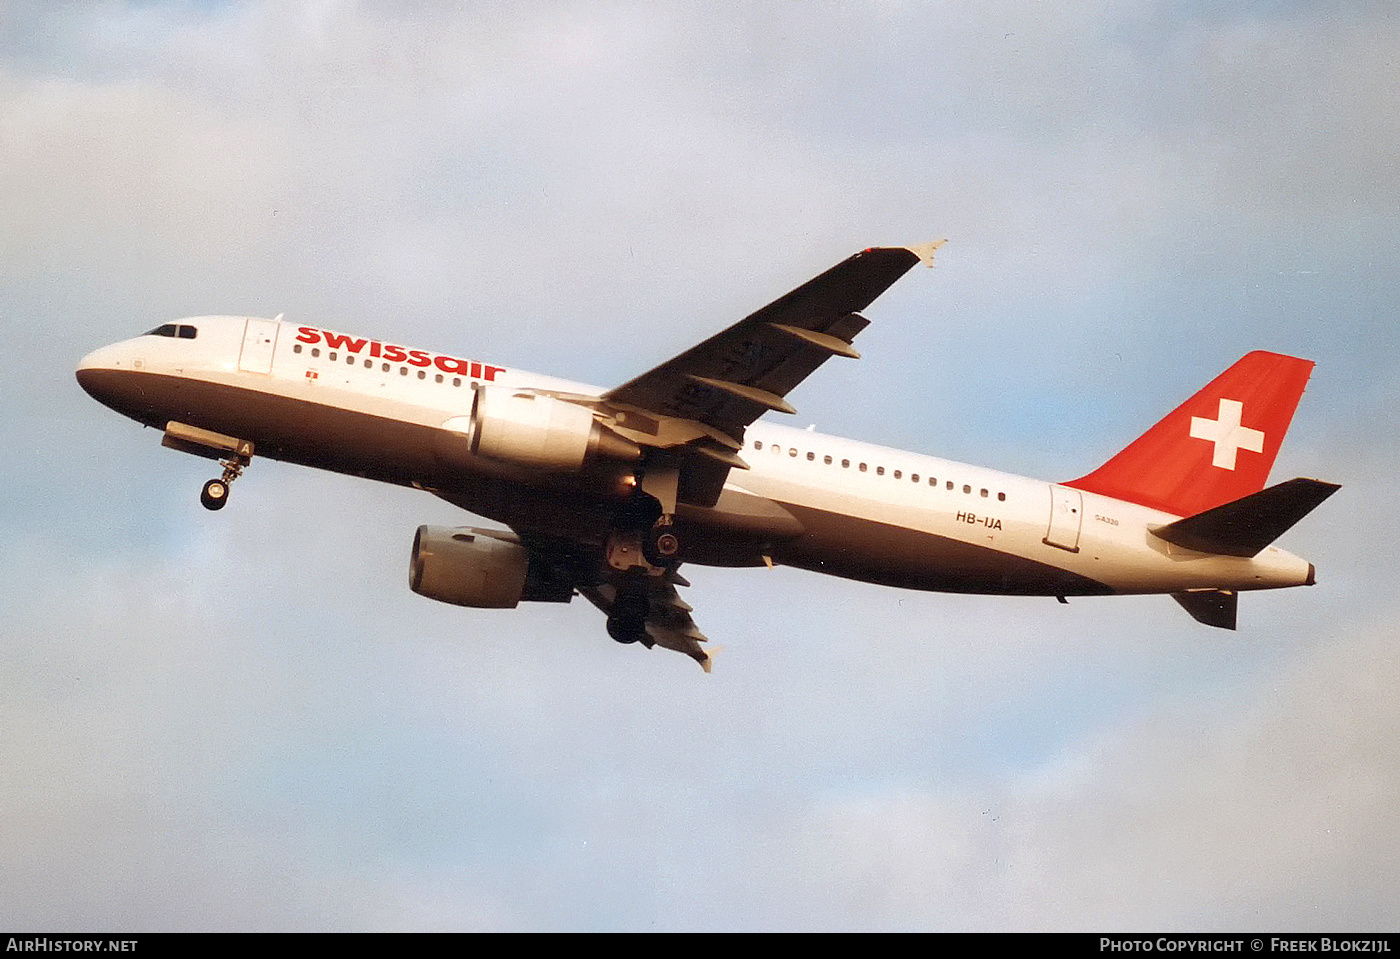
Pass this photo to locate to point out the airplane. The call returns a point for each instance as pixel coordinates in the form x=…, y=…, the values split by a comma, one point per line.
x=606, y=493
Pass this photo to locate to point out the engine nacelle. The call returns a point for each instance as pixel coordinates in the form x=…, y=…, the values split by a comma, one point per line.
x=468, y=567
x=540, y=431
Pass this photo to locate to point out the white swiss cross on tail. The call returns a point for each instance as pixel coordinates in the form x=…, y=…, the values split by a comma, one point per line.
x=1227, y=434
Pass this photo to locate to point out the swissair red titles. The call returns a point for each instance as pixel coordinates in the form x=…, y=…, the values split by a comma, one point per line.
x=474, y=369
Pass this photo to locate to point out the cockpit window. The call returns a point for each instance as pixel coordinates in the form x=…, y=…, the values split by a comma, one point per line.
x=183, y=331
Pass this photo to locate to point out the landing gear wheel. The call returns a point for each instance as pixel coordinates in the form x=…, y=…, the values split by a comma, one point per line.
x=661, y=546
x=214, y=495
x=639, y=512
x=627, y=621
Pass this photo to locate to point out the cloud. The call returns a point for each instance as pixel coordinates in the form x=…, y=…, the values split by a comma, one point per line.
x=1257, y=813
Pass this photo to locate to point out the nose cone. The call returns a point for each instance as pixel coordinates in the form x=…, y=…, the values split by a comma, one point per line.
x=95, y=372
x=113, y=376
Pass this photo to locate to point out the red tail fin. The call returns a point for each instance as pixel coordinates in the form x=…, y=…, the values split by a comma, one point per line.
x=1216, y=447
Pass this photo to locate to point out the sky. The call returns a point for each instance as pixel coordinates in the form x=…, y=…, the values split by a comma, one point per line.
x=244, y=720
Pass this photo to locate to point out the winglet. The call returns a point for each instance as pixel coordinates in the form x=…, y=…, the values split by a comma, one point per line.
x=925, y=251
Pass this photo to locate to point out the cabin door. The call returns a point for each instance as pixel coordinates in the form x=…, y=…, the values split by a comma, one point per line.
x=259, y=339
x=1066, y=513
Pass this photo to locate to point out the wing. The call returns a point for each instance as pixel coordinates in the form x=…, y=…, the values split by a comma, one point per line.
x=736, y=376
x=668, y=621
x=689, y=414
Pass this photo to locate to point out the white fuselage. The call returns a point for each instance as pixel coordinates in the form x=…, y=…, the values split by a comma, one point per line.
x=869, y=493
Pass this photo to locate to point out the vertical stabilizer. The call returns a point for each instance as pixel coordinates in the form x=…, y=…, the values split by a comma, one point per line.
x=1216, y=447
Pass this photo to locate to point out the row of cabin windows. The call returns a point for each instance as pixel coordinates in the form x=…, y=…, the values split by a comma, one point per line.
x=369, y=364
x=879, y=470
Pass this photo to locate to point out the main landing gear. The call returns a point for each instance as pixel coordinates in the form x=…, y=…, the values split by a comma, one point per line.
x=644, y=537
x=643, y=548
x=627, y=619
x=660, y=544
x=645, y=533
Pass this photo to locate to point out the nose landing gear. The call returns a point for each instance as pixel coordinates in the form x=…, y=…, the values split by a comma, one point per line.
x=206, y=443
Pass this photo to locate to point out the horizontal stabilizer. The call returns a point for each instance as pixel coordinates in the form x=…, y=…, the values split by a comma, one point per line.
x=1245, y=526
x=1214, y=607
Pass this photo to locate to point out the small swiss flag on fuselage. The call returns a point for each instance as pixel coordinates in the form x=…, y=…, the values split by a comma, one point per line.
x=1216, y=447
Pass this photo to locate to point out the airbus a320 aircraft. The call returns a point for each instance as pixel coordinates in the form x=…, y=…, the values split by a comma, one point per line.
x=606, y=493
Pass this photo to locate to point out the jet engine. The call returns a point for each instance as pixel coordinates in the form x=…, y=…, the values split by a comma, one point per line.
x=531, y=429
x=485, y=568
